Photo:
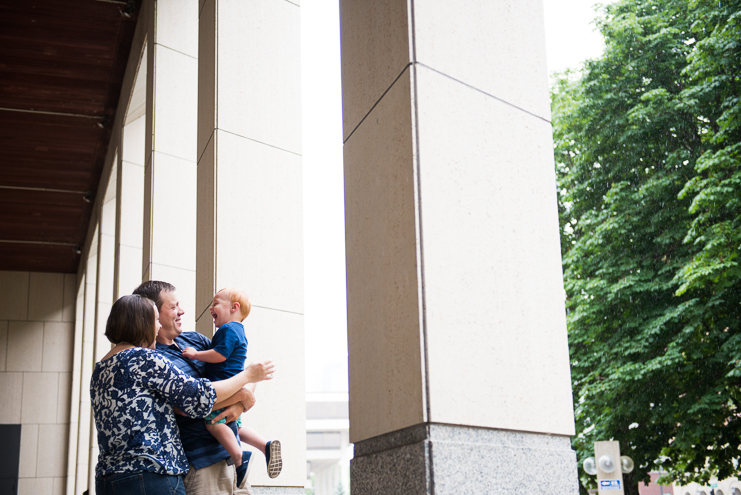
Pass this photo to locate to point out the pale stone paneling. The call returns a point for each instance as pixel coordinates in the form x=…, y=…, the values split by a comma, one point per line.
x=481, y=44
x=52, y=452
x=25, y=344
x=3, y=343
x=64, y=394
x=46, y=297
x=278, y=336
x=59, y=339
x=181, y=22
x=382, y=291
x=175, y=101
x=489, y=221
x=39, y=398
x=174, y=215
x=132, y=207
x=259, y=222
x=130, y=259
x=11, y=388
x=59, y=486
x=259, y=72
x=35, y=486
x=70, y=297
x=375, y=51
x=29, y=447
x=133, y=149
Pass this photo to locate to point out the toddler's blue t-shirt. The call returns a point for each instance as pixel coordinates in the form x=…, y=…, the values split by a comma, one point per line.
x=230, y=341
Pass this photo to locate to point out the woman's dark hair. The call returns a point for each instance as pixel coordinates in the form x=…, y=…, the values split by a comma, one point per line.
x=132, y=321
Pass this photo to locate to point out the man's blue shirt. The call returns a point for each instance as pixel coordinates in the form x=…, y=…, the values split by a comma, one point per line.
x=201, y=448
x=229, y=341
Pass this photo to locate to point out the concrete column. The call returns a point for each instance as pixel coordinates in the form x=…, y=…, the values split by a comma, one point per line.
x=74, y=413
x=459, y=372
x=130, y=208
x=250, y=204
x=170, y=149
x=84, y=420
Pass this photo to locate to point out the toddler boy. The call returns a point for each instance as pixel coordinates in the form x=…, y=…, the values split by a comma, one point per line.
x=225, y=358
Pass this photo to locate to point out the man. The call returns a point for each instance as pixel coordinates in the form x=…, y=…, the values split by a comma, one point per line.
x=211, y=468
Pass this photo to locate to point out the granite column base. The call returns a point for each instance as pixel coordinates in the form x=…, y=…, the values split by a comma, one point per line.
x=433, y=459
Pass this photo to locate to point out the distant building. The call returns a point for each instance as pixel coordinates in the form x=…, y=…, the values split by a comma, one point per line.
x=328, y=448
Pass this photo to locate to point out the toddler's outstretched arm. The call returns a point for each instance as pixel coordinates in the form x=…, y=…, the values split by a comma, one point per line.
x=209, y=356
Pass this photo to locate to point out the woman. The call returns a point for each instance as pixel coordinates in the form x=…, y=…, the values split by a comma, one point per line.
x=133, y=391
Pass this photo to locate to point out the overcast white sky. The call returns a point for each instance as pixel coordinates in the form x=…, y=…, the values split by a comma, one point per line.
x=570, y=39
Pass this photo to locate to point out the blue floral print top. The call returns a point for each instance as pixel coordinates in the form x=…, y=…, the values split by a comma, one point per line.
x=132, y=395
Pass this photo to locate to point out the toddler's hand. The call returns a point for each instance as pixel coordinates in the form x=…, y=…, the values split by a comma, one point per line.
x=189, y=352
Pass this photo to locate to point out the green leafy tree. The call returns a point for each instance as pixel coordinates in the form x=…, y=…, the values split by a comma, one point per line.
x=647, y=158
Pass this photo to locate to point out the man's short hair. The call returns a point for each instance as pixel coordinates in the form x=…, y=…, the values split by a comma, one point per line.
x=132, y=321
x=153, y=289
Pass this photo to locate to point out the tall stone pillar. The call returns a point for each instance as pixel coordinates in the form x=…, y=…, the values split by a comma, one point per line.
x=458, y=358
x=170, y=149
x=250, y=205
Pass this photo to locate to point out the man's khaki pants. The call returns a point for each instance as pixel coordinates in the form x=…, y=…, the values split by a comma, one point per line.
x=218, y=478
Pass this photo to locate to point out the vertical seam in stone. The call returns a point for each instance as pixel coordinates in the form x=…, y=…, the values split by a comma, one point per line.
x=215, y=192
x=418, y=214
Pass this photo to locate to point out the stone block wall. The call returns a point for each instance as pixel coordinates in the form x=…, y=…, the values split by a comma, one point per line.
x=37, y=313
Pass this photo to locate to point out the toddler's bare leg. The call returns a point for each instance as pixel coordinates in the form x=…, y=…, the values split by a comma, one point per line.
x=226, y=438
x=251, y=437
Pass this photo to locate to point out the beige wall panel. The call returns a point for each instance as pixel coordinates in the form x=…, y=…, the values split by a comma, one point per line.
x=279, y=336
x=130, y=275
x=133, y=149
x=3, y=343
x=108, y=219
x=174, y=222
x=206, y=239
x=11, y=391
x=175, y=100
x=375, y=51
x=382, y=292
x=39, y=398
x=46, y=296
x=59, y=486
x=132, y=206
x=70, y=297
x=59, y=339
x=35, y=486
x=64, y=395
x=489, y=222
x=178, y=21
x=185, y=282
x=52, y=454
x=265, y=59
x=207, y=75
x=87, y=372
x=259, y=222
x=102, y=344
x=29, y=448
x=13, y=295
x=496, y=46
x=25, y=345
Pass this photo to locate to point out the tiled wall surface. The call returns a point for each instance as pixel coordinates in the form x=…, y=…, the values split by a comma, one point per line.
x=37, y=313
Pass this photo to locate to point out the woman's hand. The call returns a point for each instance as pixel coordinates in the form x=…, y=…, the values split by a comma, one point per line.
x=258, y=372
